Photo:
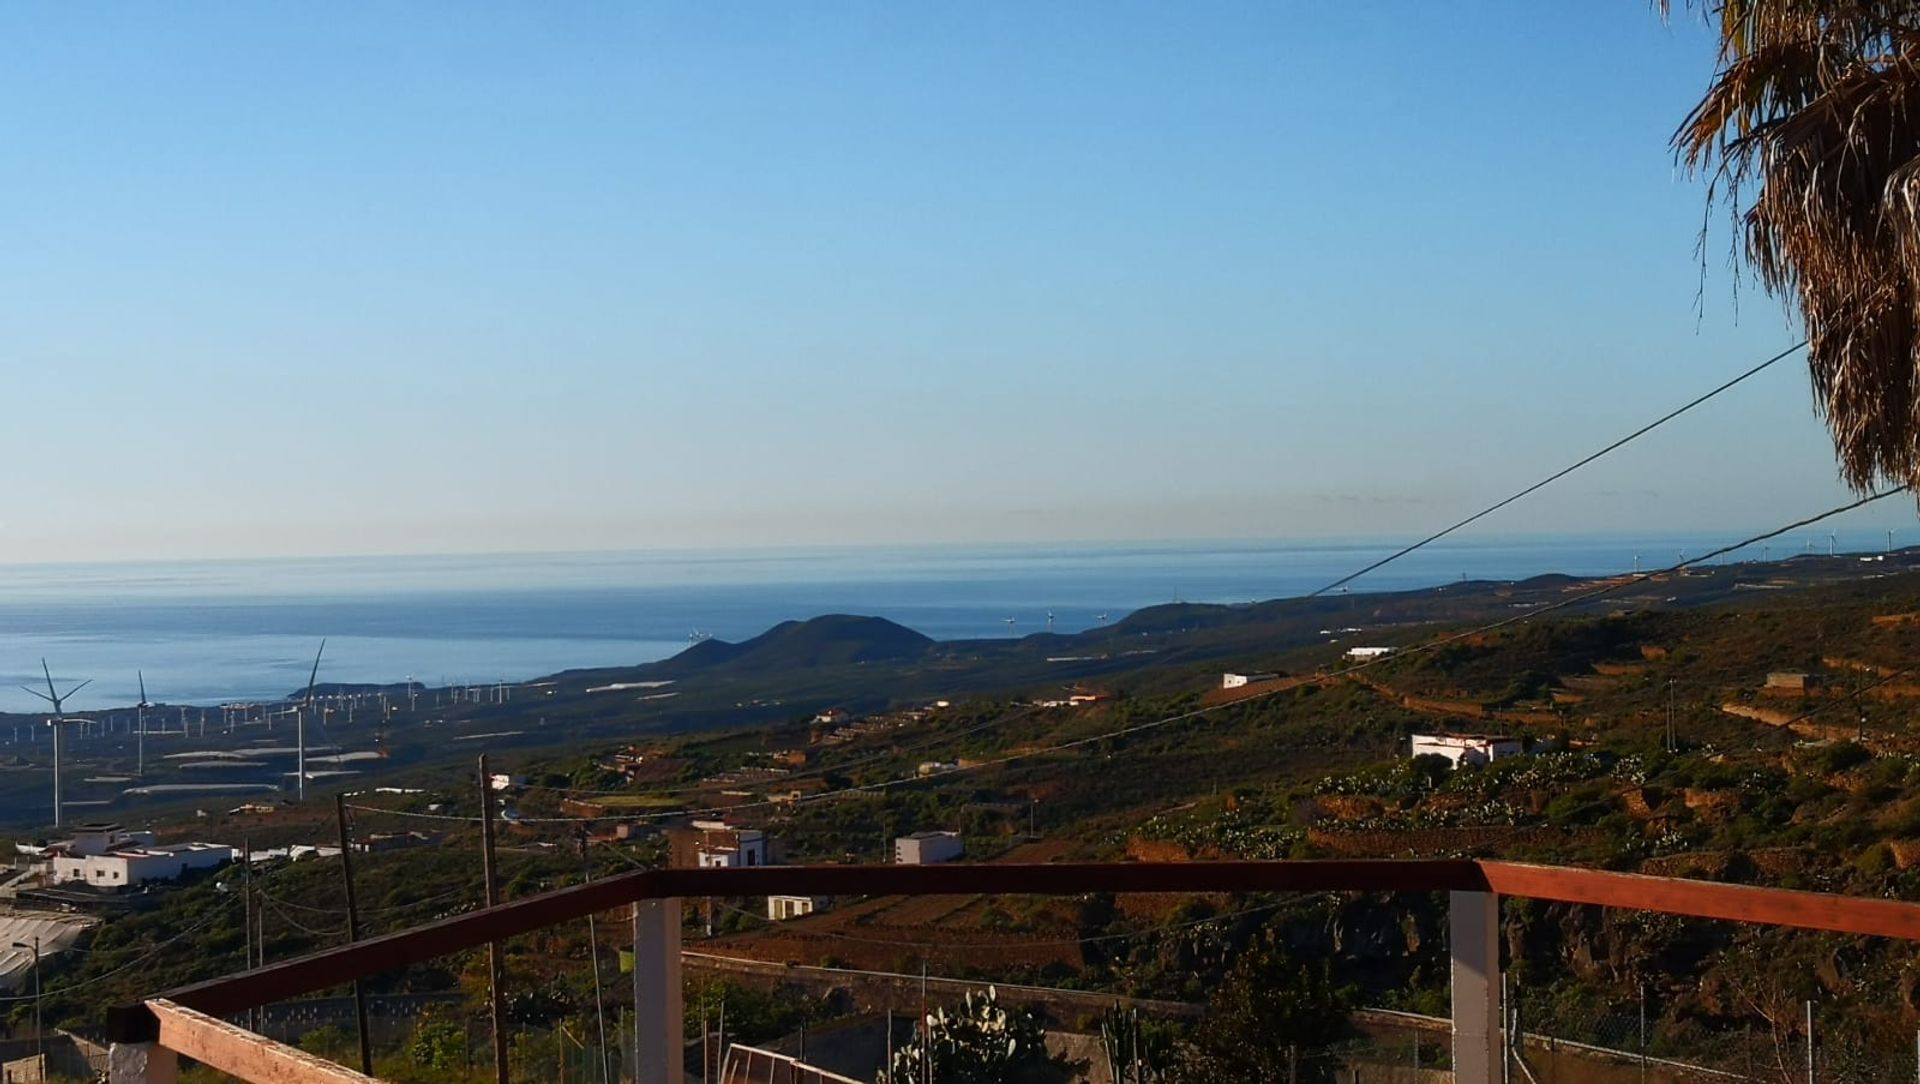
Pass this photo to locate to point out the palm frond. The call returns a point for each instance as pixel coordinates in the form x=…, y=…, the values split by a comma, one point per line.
x=1810, y=129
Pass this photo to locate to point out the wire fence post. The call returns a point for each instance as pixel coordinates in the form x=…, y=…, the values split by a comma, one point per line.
x=1643, y=1033
x=1809, y=1041
x=1506, y=1031
x=593, y=951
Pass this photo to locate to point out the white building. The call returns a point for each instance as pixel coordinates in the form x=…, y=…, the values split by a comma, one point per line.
x=1235, y=681
x=782, y=908
x=733, y=849
x=927, y=848
x=1363, y=654
x=1467, y=748
x=98, y=839
x=105, y=856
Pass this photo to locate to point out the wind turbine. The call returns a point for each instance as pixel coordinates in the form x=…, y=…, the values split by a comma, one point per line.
x=58, y=699
x=300, y=721
x=1009, y=622
x=1049, y=620
x=140, y=721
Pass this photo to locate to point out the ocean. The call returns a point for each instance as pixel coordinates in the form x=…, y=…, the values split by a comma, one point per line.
x=206, y=632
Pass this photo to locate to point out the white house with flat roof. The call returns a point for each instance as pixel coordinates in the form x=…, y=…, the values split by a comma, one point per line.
x=107, y=856
x=733, y=849
x=1235, y=681
x=1467, y=748
x=927, y=848
x=782, y=908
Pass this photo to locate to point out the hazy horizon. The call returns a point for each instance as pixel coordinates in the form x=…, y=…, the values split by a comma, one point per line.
x=492, y=278
x=1860, y=531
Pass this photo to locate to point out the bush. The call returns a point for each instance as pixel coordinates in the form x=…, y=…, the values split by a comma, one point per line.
x=1840, y=756
x=438, y=1044
x=332, y=1042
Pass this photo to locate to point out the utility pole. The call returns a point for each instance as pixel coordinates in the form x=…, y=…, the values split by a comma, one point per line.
x=353, y=930
x=496, y=952
x=246, y=900
x=1673, y=736
x=140, y=721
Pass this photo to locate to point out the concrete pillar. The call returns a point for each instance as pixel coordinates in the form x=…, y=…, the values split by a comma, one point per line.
x=659, y=1040
x=1473, y=927
x=142, y=1063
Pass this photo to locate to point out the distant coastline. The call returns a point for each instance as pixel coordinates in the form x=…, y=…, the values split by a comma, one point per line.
x=204, y=632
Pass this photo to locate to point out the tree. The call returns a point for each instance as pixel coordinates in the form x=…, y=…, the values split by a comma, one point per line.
x=1268, y=1018
x=981, y=1043
x=1810, y=136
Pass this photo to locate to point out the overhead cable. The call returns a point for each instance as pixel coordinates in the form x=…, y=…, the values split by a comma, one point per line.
x=1559, y=474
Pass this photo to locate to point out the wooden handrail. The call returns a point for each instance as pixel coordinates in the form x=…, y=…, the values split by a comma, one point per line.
x=1750, y=904
x=1702, y=899
x=241, y=1053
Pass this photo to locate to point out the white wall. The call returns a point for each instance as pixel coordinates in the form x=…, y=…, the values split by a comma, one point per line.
x=1460, y=751
x=944, y=847
x=781, y=908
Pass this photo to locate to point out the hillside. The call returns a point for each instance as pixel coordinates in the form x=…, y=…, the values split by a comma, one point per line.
x=831, y=640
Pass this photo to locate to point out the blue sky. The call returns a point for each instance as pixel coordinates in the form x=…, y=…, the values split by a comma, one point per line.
x=453, y=277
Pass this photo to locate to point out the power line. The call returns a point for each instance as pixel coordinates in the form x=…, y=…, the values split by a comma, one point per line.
x=829, y=769
x=1559, y=474
x=131, y=964
x=311, y=909
x=1615, y=584
x=1885, y=678
x=274, y=906
x=1063, y=942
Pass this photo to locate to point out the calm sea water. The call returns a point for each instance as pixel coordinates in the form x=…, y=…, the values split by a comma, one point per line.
x=206, y=632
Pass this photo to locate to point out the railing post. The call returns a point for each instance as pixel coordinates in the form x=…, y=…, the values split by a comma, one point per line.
x=142, y=1063
x=1473, y=925
x=659, y=1038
